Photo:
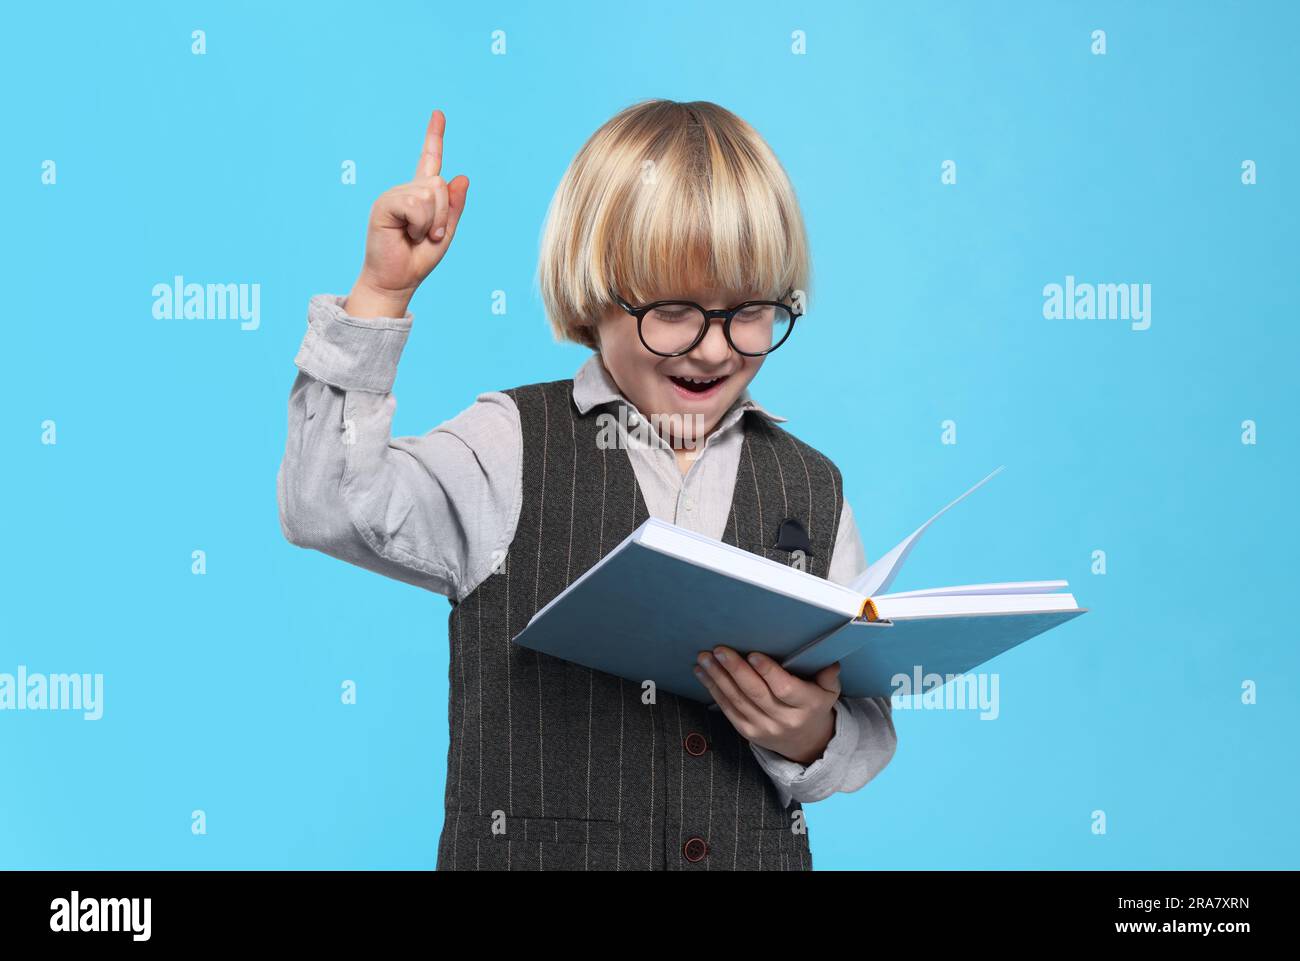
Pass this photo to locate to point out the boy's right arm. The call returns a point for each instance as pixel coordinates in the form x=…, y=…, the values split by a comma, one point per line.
x=437, y=510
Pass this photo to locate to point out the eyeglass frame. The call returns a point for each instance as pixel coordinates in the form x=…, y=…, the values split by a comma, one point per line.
x=725, y=313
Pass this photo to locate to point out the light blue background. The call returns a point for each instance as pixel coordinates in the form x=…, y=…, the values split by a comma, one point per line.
x=222, y=691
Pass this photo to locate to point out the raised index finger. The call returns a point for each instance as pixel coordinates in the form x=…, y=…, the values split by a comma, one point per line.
x=431, y=158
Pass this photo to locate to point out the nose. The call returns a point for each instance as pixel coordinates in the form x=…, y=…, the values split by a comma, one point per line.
x=713, y=349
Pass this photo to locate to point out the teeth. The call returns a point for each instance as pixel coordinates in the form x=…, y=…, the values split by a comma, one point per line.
x=699, y=380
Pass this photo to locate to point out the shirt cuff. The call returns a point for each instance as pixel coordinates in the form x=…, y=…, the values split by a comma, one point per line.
x=821, y=778
x=351, y=353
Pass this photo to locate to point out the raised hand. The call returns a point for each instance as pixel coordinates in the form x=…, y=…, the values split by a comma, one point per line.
x=410, y=230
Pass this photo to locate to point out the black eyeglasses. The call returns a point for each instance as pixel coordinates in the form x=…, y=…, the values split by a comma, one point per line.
x=671, y=328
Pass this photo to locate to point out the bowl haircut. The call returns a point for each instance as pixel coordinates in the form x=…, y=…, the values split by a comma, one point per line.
x=665, y=198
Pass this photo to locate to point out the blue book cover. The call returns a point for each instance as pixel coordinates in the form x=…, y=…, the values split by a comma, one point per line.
x=646, y=610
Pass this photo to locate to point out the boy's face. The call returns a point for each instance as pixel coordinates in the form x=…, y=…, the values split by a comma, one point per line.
x=652, y=383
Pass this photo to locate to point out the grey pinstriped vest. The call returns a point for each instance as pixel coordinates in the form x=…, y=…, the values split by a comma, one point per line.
x=583, y=774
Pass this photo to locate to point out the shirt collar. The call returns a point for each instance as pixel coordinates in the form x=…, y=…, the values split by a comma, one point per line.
x=593, y=385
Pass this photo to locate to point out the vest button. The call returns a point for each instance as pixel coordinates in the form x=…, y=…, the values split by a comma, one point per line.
x=695, y=849
x=696, y=744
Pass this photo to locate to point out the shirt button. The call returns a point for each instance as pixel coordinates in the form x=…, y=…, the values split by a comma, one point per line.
x=695, y=849
x=696, y=744
x=689, y=505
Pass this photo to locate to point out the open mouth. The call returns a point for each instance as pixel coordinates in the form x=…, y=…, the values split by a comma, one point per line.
x=697, y=386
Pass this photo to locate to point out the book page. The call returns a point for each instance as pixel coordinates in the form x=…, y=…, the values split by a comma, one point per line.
x=878, y=576
x=1012, y=587
x=893, y=607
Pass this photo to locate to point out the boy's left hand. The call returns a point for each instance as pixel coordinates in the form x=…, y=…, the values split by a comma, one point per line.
x=768, y=705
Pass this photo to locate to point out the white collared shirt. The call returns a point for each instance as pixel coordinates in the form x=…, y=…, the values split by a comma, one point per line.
x=700, y=500
x=438, y=510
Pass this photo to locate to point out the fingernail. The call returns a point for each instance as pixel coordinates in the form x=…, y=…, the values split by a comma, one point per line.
x=754, y=659
x=440, y=233
x=720, y=655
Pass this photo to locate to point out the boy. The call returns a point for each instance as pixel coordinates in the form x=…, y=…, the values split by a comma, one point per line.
x=675, y=249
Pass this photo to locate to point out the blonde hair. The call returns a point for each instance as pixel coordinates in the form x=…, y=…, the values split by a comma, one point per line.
x=665, y=196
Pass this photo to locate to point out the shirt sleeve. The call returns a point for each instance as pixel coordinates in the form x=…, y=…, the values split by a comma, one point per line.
x=436, y=510
x=864, y=740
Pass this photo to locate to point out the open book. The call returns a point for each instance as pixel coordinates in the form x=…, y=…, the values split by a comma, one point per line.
x=647, y=608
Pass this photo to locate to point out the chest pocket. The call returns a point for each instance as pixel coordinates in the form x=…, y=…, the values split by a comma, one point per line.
x=788, y=558
x=792, y=547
